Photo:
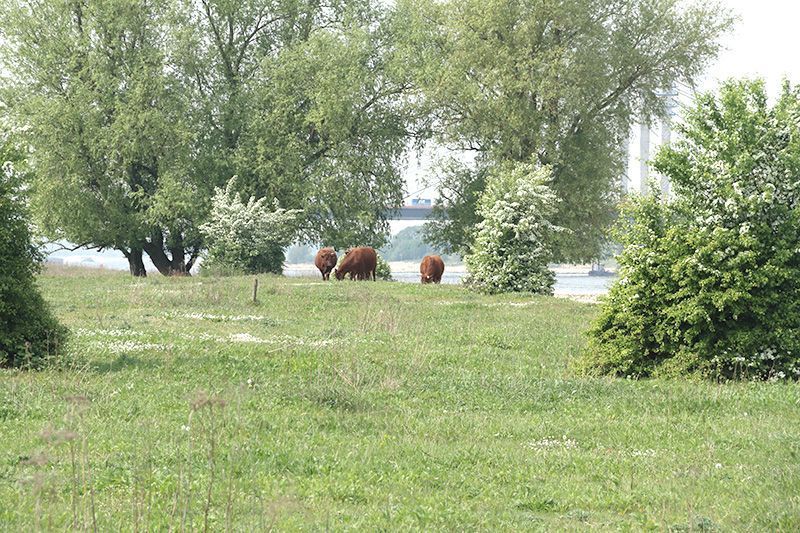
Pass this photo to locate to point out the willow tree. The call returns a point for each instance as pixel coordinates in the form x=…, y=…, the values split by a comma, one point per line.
x=555, y=82
x=107, y=126
x=137, y=110
x=306, y=103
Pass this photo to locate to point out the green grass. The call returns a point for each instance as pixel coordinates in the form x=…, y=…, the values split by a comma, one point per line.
x=371, y=406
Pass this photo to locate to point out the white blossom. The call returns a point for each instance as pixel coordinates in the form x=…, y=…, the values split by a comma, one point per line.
x=239, y=233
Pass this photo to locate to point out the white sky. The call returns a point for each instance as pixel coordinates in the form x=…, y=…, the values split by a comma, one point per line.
x=765, y=42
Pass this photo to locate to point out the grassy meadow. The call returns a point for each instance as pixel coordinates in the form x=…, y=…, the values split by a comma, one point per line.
x=371, y=406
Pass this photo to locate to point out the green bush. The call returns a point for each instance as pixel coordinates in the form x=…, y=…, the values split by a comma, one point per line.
x=710, y=282
x=512, y=243
x=383, y=270
x=29, y=333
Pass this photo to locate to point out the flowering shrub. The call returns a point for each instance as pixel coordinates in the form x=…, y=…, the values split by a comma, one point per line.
x=28, y=331
x=710, y=282
x=247, y=237
x=511, y=249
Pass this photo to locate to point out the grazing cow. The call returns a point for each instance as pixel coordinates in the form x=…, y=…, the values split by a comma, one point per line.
x=431, y=269
x=359, y=262
x=326, y=262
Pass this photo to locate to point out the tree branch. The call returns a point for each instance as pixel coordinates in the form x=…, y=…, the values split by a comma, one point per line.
x=218, y=40
x=62, y=248
x=252, y=35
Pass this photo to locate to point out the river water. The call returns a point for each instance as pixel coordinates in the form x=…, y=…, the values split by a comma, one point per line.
x=570, y=281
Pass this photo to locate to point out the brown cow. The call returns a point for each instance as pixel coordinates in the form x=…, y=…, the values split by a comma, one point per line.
x=431, y=269
x=326, y=261
x=359, y=262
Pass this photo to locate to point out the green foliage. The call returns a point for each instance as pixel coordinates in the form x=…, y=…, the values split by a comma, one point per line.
x=454, y=217
x=383, y=271
x=313, y=109
x=248, y=237
x=108, y=123
x=710, y=283
x=137, y=110
x=555, y=82
x=29, y=333
x=410, y=245
x=512, y=244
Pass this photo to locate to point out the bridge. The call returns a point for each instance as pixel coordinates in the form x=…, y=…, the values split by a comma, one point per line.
x=412, y=212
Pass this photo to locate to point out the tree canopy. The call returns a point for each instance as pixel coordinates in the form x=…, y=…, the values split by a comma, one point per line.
x=555, y=82
x=305, y=102
x=138, y=110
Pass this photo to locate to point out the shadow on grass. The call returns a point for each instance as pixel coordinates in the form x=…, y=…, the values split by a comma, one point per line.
x=123, y=362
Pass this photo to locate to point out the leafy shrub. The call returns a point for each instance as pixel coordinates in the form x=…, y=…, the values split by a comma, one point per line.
x=511, y=249
x=29, y=332
x=247, y=237
x=383, y=270
x=710, y=282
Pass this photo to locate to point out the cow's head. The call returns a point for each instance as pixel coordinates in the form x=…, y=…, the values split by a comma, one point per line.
x=339, y=275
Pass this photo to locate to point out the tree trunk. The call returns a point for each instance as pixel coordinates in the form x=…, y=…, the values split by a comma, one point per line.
x=166, y=266
x=135, y=263
x=179, y=259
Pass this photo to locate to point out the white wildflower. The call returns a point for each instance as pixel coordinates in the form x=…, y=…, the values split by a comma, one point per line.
x=550, y=443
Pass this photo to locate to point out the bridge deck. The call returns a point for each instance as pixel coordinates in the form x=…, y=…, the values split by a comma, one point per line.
x=412, y=212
